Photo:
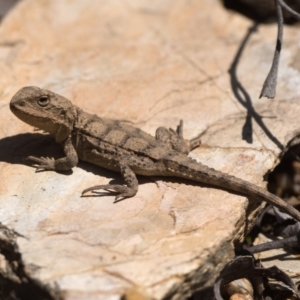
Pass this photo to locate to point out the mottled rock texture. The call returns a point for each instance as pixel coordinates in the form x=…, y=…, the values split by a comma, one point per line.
x=151, y=63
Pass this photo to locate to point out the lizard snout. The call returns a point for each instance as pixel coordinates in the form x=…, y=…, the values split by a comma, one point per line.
x=16, y=104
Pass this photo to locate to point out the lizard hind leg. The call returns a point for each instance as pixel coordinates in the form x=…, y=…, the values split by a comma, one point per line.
x=123, y=191
x=175, y=139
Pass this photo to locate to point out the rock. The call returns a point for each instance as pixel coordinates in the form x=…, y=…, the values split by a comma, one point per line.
x=239, y=288
x=151, y=63
x=241, y=297
x=284, y=259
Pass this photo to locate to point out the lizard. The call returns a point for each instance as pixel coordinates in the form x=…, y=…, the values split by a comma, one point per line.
x=122, y=148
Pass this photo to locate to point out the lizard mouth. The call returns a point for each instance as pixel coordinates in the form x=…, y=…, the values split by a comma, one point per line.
x=31, y=119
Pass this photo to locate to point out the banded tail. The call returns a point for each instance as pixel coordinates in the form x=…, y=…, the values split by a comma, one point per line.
x=186, y=167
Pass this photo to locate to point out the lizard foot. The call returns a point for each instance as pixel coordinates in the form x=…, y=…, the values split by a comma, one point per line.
x=175, y=139
x=43, y=163
x=122, y=190
x=191, y=144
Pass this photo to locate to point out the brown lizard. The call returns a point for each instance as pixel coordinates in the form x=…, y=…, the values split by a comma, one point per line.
x=122, y=148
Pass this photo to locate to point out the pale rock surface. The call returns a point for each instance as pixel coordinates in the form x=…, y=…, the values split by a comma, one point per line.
x=151, y=63
x=285, y=259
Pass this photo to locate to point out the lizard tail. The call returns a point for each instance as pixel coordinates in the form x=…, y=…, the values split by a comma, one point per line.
x=190, y=169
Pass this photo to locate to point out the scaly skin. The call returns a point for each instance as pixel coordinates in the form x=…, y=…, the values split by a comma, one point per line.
x=122, y=148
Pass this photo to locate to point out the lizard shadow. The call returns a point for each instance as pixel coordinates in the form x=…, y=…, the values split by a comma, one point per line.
x=244, y=98
x=15, y=150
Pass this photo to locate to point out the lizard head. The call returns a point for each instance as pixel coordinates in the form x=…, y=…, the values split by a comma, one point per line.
x=45, y=110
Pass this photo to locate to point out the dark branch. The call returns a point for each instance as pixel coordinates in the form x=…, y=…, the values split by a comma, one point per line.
x=269, y=86
x=287, y=8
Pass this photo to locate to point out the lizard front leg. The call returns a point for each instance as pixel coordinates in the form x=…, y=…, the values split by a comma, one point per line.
x=124, y=191
x=62, y=164
x=175, y=139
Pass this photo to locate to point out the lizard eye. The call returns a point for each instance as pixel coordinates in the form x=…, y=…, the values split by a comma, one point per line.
x=43, y=101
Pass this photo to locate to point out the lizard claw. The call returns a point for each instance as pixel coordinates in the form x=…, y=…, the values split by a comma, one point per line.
x=120, y=197
x=105, y=187
x=123, y=191
x=43, y=163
